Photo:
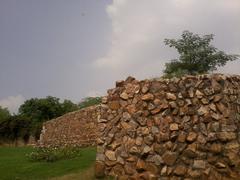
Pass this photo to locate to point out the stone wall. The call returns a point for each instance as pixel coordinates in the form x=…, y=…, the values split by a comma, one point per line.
x=173, y=129
x=77, y=128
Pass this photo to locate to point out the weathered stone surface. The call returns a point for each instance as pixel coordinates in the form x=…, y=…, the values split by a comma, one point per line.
x=174, y=127
x=114, y=105
x=180, y=128
x=169, y=158
x=180, y=170
x=147, y=97
x=111, y=155
x=199, y=94
x=199, y=164
x=124, y=96
x=191, y=136
x=171, y=96
x=182, y=137
x=226, y=136
x=215, y=148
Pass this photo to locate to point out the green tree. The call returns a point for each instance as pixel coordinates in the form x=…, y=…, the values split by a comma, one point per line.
x=15, y=127
x=4, y=114
x=44, y=109
x=196, y=55
x=68, y=106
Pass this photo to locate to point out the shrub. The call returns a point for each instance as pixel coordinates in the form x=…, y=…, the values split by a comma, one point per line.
x=53, y=154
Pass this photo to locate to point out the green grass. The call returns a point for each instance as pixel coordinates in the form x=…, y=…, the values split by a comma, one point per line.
x=14, y=164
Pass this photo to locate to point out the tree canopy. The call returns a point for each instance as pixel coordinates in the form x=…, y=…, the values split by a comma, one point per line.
x=4, y=114
x=196, y=55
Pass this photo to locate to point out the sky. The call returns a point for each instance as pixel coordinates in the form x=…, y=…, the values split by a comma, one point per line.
x=79, y=48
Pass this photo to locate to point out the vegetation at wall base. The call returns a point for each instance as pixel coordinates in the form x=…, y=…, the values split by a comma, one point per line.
x=15, y=165
x=52, y=154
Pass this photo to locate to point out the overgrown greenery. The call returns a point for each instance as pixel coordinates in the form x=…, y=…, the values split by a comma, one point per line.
x=4, y=114
x=52, y=154
x=196, y=55
x=33, y=113
x=15, y=165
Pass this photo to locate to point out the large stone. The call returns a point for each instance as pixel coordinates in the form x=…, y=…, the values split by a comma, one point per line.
x=124, y=96
x=169, y=158
x=182, y=137
x=215, y=148
x=226, y=136
x=174, y=127
x=199, y=94
x=199, y=164
x=110, y=155
x=145, y=88
x=114, y=105
x=180, y=170
x=141, y=165
x=203, y=110
x=192, y=136
x=147, y=97
x=156, y=159
x=171, y=96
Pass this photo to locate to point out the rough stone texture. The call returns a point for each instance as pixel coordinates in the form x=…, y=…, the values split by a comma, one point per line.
x=77, y=128
x=180, y=128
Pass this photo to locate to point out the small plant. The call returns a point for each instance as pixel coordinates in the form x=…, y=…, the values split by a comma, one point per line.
x=53, y=154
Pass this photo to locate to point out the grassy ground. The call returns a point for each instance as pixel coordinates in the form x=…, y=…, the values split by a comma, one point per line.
x=15, y=166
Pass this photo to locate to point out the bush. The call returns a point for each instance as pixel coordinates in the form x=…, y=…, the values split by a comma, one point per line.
x=53, y=154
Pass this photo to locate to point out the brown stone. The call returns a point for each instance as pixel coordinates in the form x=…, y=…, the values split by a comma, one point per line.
x=155, y=111
x=226, y=136
x=147, y=97
x=110, y=155
x=131, y=109
x=129, y=168
x=180, y=170
x=203, y=110
x=124, y=96
x=141, y=165
x=164, y=171
x=114, y=105
x=215, y=148
x=169, y=158
x=194, y=173
x=139, y=141
x=99, y=169
x=174, y=127
x=190, y=151
x=145, y=88
x=192, y=136
x=182, y=137
x=204, y=101
x=171, y=96
x=217, y=98
x=199, y=164
x=199, y=94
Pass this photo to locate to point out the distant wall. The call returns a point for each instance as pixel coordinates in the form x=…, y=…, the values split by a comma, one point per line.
x=171, y=129
x=72, y=129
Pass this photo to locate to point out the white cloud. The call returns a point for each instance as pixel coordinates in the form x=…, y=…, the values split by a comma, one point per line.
x=140, y=26
x=12, y=103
